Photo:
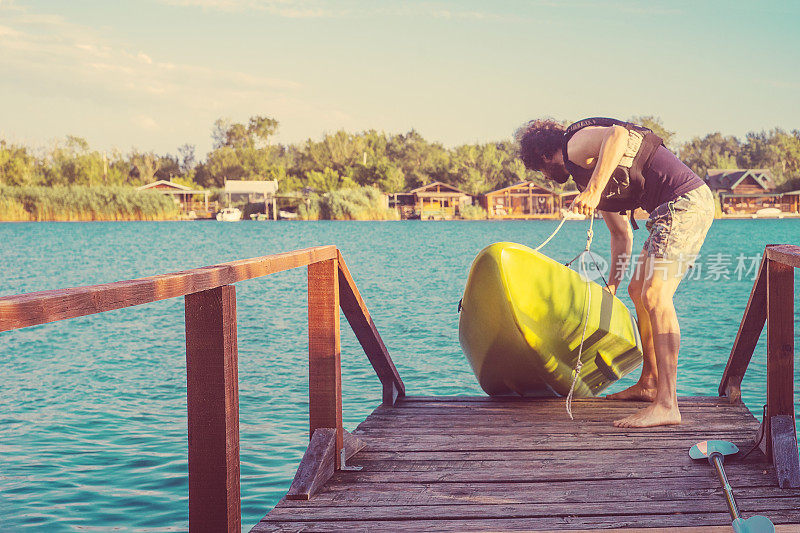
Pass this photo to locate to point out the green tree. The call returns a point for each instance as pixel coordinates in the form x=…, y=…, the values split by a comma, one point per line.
x=327, y=180
x=340, y=152
x=775, y=150
x=655, y=124
x=73, y=163
x=144, y=166
x=712, y=151
x=17, y=166
x=241, y=151
x=421, y=162
x=168, y=168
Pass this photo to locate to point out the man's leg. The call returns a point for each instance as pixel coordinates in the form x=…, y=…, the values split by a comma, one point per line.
x=657, y=294
x=645, y=388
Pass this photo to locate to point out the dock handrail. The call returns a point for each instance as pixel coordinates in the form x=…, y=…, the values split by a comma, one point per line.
x=771, y=302
x=212, y=357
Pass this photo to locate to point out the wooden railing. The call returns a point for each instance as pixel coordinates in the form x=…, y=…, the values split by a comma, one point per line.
x=771, y=302
x=212, y=360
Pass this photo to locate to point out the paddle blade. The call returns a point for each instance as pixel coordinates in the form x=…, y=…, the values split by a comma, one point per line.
x=702, y=450
x=754, y=524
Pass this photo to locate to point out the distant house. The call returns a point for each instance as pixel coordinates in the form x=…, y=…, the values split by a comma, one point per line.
x=435, y=201
x=745, y=191
x=181, y=194
x=525, y=199
x=254, y=192
x=791, y=202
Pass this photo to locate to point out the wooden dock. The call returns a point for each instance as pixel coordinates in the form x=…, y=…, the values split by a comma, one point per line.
x=482, y=464
x=463, y=463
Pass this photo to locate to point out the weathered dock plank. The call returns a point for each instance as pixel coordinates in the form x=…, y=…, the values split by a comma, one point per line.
x=484, y=464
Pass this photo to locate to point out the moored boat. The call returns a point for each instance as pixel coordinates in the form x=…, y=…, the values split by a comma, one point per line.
x=229, y=214
x=768, y=212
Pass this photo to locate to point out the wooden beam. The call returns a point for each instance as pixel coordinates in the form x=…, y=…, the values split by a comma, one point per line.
x=324, y=349
x=784, y=451
x=788, y=254
x=352, y=444
x=319, y=462
x=23, y=310
x=755, y=314
x=357, y=314
x=212, y=392
x=780, y=342
x=317, y=465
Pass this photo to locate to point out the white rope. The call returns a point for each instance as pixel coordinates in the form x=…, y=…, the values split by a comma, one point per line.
x=587, y=305
x=551, y=235
x=587, y=302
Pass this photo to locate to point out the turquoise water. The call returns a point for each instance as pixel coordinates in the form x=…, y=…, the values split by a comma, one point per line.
x=93, y=410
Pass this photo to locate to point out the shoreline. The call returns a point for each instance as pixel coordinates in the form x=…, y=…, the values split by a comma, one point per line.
x=788, y=216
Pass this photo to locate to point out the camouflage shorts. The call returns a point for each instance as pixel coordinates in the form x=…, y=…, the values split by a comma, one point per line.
x=678, y=228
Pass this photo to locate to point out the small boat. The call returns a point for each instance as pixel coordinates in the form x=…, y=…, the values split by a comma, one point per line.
x=259, y=216
x=229, y=214
x=287, y=215
x=768, y=212
x=522, y=318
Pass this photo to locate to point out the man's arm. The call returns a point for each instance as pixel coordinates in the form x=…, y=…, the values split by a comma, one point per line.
x=603, y=147
x=621, y=244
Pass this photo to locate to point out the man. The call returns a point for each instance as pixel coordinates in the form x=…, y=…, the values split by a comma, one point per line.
x=618, y=167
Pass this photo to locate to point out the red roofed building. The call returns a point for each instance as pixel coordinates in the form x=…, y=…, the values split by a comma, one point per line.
x=745, y=192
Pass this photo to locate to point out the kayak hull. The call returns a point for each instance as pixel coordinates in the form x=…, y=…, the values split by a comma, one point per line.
x=521, y=323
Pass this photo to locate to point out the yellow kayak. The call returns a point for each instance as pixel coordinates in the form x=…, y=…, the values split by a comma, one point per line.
x=521, y=322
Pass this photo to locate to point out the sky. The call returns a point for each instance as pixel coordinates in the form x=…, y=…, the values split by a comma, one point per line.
x=156, y=74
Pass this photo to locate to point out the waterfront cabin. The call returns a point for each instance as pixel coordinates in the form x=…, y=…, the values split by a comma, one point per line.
x=745, y=192
x=254, y=192
x=791, y=202
x=525, y=199
x=185, y=197
x=434, y=201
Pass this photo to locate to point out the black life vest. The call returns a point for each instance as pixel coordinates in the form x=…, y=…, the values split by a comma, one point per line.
x=626, y=185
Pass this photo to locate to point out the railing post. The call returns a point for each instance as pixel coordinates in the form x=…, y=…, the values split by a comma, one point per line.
x=212, y=392
x=780, y=343
x=324, y=350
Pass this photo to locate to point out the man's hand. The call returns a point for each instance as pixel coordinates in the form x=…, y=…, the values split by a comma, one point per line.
x=586, y=202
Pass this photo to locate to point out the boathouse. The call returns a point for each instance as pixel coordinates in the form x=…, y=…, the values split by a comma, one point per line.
x=791, y=201
x=434, y=201
x=183, y=195
x=254, y=192
x=745, y=192
x=525, y=199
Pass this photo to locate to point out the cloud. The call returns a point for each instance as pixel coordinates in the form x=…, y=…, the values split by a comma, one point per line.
x=47, y=51
x=344, y=8
x=67, y=77
x=283, y=8
x=449, y=14
x=145, y=122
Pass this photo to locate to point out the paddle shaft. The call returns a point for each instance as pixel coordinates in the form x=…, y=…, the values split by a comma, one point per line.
x=716, y=459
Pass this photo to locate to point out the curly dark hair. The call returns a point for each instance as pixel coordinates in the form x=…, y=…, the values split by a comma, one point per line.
x=538, y=139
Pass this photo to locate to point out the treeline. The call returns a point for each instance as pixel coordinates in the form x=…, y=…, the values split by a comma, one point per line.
x=390, y=162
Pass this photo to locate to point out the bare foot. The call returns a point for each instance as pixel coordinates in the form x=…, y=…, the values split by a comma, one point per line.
x=636, y=392
x=653, y=415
